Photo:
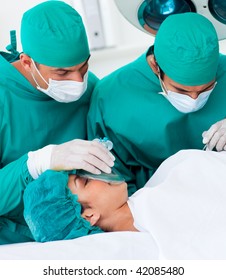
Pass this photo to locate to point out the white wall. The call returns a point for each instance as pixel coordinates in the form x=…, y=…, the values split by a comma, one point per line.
x=11, y=12
x=129, y=42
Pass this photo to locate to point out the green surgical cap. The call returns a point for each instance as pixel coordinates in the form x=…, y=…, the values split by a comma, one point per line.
x=186, y=48
x=52, y=212
x=53, y=34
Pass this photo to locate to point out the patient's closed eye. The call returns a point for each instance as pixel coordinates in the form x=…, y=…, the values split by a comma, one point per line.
x=86, y=181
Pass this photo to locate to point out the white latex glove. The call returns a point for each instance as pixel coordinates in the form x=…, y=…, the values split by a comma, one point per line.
x=76, y=154
x=215, y=137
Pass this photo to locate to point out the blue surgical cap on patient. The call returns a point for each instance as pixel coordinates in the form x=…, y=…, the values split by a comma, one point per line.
x=52, y=212
x=186, y=48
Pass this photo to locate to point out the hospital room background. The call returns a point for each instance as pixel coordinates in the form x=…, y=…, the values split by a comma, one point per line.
x=113, y=40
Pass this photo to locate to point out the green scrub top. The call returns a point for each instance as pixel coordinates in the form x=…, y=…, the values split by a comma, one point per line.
x=30, y=120
x=144, y=127
x=14, y=179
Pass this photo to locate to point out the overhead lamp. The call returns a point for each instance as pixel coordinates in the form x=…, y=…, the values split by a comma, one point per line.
x=147, y=15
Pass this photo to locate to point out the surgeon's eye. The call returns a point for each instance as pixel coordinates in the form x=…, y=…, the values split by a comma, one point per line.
x=62, y=73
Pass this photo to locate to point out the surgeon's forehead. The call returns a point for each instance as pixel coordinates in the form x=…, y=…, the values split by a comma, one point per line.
x=191, y=88
x=72, y=68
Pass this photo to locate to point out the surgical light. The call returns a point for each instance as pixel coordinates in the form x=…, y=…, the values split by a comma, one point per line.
x=218, y=10
x=147, y=15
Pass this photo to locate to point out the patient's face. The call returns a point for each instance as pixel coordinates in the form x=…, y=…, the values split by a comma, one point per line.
x=97, y=194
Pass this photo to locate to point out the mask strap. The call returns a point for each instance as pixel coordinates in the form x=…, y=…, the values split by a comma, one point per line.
x=161, y=82
x=38, y=73
x=37, y=85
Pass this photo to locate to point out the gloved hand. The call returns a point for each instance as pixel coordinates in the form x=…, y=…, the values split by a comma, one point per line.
x=215, y=137
x=91, y=156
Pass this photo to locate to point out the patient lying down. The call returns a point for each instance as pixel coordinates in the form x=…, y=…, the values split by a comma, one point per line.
x=182, y=206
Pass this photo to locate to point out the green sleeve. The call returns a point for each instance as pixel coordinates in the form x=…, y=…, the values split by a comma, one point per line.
x=14, y=178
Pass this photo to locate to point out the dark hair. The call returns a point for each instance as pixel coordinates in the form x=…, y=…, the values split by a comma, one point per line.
x=161, y=73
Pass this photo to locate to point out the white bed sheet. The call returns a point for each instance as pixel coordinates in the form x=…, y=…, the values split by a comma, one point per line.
x=186, y=219
x=183, y=206
x=103, y=246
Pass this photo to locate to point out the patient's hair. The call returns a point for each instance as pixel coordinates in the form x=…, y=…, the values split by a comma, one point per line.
x=52, y=212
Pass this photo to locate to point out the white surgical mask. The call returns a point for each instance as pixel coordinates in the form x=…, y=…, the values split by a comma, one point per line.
x=184, y=103
x=63, y=91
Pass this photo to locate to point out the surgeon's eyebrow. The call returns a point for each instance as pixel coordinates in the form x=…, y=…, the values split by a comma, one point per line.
x=183, y=90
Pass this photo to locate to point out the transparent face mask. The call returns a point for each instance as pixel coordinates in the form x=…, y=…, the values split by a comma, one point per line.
x=113, y=178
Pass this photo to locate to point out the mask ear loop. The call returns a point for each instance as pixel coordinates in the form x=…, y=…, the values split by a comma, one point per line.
x=37, y=85
x=38, y=73
x=161, y=81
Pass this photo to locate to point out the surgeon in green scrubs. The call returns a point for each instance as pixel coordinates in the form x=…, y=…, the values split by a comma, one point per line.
x=163, y=101
x=44, y=98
